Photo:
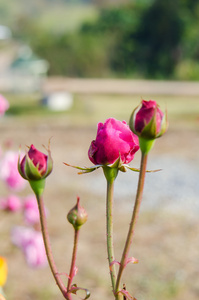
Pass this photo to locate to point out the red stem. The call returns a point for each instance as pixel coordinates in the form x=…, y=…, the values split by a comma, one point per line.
x=74, y=257
x=133, y=221
x=48, y=248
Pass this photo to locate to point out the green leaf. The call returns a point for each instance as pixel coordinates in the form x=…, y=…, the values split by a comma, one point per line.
x=31, y=170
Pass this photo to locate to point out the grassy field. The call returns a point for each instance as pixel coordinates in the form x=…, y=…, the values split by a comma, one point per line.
x=166, y=243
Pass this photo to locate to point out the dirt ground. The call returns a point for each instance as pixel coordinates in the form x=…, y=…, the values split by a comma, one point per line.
x=166, y=241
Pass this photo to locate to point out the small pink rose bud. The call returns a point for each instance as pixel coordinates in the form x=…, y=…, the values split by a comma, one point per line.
x=9, y=172
x=31, y=243
x=114, y=139
x=77, y=216
x=148, y=121
x=31, y=211
x=12, y=203
x=35, y=167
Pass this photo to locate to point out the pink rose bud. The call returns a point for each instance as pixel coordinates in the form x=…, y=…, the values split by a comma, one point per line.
x=77, y=216
x=114, y=139
x=9, y=172
x=148, y=121
x=31, y=211
x=4, y=105
x=31, y=243
x=11, y=203
x=35, y=165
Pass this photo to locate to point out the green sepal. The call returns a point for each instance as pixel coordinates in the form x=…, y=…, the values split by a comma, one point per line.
x=19, y=169
x=85, y=170
x=32, y=172
x=138, y=170
x=132, y=119
x=110, y=173
x=164, y=125
x=38, y=186
x=146, y=144
x=150, y=130
x=49, y=164
x=117, y=164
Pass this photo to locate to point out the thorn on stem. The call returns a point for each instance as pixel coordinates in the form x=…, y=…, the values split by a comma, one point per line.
x=124, y=288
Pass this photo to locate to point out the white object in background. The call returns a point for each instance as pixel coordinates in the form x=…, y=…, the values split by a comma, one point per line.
x=58, y=101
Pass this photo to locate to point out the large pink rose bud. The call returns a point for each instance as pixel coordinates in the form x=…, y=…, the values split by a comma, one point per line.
x=35, y=167
x=148, y=121
x=114, y=139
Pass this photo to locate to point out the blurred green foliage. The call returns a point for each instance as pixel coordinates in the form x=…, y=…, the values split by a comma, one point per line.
x=155, y=39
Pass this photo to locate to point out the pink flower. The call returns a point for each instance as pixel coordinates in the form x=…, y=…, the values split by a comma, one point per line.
x=4, y=105
x=35, y=165
x=11, y=203
x=31, y=243
x=31, y=211
x=114, y=138
x=9, y=172
x=148, y=121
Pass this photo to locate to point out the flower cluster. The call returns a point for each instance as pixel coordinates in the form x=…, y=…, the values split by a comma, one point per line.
x=26, y=238
x=113, y=149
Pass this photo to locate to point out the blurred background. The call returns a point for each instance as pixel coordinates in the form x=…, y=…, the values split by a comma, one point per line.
x=67, y=65
x=90, y=38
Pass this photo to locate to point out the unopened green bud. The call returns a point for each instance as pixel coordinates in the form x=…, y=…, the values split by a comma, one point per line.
x=77, y=216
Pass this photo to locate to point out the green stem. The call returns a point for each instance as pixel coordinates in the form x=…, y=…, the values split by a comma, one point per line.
x=48, y=248
x=133, y=221
x=109, y=230
x=74, y=257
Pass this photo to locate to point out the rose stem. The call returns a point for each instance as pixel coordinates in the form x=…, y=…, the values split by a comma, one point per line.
x=109, y=230
x=133, y=220
x=74, y=257
x=48, y=247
